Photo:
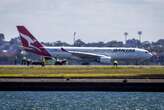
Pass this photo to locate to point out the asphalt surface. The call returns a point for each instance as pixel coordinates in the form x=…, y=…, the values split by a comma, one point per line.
x=62, y=80
x=49, y=84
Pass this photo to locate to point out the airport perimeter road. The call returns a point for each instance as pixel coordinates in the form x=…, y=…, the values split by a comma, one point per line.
x=50, y=84
x=62, y=80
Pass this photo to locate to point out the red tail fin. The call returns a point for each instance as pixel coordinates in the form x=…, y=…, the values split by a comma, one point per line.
x=30, y=43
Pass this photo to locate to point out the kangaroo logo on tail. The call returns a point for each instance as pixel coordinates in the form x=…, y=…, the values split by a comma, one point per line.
x=30, y=43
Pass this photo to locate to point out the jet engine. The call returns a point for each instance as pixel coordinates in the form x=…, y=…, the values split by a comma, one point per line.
x=105, y=60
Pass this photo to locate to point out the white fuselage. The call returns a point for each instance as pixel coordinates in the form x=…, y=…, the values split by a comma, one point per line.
x=113, y=52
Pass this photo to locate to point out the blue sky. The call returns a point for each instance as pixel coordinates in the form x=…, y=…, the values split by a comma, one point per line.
x=93, y=20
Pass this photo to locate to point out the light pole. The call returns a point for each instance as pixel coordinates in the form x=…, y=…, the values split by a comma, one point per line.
x=140, y=33
x=126, y=34
x=74, y=38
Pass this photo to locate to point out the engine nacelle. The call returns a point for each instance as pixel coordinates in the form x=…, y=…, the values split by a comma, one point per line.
x=105, y=60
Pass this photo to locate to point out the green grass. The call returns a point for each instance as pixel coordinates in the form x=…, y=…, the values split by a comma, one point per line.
x=82, y=71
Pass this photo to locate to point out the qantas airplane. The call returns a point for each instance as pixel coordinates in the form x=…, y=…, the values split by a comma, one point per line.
x=102, y=55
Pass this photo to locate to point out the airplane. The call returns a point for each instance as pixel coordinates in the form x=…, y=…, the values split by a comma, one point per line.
x=85, y=55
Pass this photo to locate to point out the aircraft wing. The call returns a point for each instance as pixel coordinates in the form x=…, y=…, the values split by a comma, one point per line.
x=84, y=55
x=88, y=56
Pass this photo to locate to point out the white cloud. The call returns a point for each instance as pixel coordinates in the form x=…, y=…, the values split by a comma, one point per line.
x=95, y=20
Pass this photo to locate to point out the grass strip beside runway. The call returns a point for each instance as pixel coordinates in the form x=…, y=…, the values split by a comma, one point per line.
x=82, y=72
